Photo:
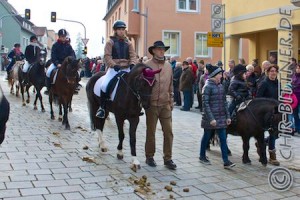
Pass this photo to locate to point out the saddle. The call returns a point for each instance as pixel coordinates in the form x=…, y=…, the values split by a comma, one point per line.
x=53, y=75
x=243, y=105
x=113, y=83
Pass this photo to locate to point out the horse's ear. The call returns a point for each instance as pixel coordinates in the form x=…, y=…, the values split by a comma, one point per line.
x=70, y=59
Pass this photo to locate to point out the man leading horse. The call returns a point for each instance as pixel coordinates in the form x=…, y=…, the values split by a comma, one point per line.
x=119, y=55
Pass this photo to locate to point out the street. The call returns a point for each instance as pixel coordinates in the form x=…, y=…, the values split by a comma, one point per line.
x=41, y=160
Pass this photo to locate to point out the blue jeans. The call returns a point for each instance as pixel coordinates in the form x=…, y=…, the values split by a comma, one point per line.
x=187, y=99
x=271, y=141
x=205, y=140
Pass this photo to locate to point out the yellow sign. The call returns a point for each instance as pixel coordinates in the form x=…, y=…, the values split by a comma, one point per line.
x=215, y=39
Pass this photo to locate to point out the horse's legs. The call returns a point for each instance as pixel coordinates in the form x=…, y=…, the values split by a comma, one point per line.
x=246, y=159
x=17, y=89
x=120, y=124
x=34, y=103
x=60, y=117
x=51, y=107
x=132, y=140
x=27, y=91
x=41, y=99
x=101, y=140
x=65, y=117
x=262, y=147
x=22, y=93
x=70, y=105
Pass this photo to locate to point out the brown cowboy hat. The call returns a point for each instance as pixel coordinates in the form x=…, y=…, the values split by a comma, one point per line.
x=157, y=44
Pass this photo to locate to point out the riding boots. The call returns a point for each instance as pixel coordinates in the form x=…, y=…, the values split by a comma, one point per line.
x=101, y=110
x=48, y=85
x=272, y=159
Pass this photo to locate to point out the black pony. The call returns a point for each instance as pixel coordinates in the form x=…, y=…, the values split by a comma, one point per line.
x=36, y=77
x=260, y=115
x=133, y=93
x=4, y=114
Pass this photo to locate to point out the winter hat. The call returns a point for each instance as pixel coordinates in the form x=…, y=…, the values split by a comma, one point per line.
x=289, y=86
x=219, y=63
x=238, y=69
x=213, y=70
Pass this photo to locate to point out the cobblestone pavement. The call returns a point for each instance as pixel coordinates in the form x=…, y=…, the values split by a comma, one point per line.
x=40, y=160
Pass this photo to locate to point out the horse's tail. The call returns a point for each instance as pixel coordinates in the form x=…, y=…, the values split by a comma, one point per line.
x=93, y=103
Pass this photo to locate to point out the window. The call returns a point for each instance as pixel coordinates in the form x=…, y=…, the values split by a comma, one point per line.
x=201, y=49
x=188, y=5
x=172, y=39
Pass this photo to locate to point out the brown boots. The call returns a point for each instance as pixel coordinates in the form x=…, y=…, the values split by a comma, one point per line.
x=272, y=159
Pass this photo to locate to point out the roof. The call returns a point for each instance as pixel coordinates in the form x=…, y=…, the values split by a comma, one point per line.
x=110, y=6
x=40, y=31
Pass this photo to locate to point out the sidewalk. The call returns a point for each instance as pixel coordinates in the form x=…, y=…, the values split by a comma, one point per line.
x=40, y=160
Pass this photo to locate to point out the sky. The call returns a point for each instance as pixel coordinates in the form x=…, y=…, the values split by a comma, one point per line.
x=89, y=12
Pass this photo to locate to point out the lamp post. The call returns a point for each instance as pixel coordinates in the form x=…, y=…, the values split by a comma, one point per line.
x=137, y=11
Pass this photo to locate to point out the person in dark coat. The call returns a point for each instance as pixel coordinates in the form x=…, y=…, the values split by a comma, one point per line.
x=60, y=50
x=296, y=91
x=215, y=114
x=238, y=88
x=186, y=85
x=200, y=72
x=14, y=55
x=269, y=89
x=32, y=53
x=251, y=80
x=176, y=77
x=202, y=81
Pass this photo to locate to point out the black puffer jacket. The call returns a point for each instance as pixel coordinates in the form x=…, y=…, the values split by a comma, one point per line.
x=238, y=88
x=268, y=89
x=214, y=105
x=61, y=50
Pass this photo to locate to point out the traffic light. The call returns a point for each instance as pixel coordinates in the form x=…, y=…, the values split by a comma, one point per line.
x=84, y=51
x=27, y=14
x=53, y=16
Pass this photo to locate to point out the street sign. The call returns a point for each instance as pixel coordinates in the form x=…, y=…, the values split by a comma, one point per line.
x=215, y=39
x=217, y=25
x=85, y=41
x=217, y=18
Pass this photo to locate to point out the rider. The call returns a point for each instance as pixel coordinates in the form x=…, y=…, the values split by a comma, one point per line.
x=60, y=50
x=238, y=88
x=118, y=55
x=32, y=52
x=14, y=55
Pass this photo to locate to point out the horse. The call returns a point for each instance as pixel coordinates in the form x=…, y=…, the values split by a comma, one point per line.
x=15, y=78
x=4, y=62
x=260, y=115
x=63, y=89
x=133, y=92
x=4, y=115
x=36, y=77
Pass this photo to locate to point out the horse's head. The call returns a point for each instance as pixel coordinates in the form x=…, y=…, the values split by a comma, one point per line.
x=143, y=83
x=70, y=68
x=42, y=57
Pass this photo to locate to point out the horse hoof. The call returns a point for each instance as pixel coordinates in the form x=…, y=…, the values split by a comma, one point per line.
x=43, y=110
x=104, y=149
x=34, y=108
x=27, y=101
x=60, y=119
x=70, y=110
x=23, y=104
x=52, y=117
x=120, y=157
x=67, y=128
x=247, y=162
x=265, y=165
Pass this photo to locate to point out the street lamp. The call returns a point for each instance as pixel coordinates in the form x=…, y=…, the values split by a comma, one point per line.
x=136, y=10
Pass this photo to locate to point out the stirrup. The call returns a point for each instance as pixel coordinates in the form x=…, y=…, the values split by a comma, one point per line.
x=100, y=113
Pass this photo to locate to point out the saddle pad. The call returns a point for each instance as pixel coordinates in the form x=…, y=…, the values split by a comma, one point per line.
x=112, y=93
x=55, y=76
x=244, y=105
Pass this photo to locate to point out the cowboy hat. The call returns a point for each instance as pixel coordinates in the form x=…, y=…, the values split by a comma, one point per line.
x=157, y=44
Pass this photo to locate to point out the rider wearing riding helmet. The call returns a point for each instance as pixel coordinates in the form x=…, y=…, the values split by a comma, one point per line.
x=32, y=52
x=14, y=55
x=119, y=55
x=60, y=50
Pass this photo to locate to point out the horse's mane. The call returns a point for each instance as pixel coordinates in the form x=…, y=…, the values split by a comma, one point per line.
x=260, y=100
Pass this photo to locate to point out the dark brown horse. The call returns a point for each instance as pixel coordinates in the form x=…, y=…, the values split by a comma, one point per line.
x=133, y=93
x=36, y=77
x=63, y=89
x=259, y=116
x=4, y=114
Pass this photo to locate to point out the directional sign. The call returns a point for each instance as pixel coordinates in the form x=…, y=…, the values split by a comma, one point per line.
x=85, y=41
x=215, y=39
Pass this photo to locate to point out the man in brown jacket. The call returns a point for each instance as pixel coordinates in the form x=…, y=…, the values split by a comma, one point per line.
x=161, y=106
x=186, y=85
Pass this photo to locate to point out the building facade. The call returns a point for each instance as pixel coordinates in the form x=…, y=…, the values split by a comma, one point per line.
x=180, y=24
x=262, y=23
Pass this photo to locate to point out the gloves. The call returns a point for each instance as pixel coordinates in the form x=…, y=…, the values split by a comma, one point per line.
x=131, y=66
x=117, y=68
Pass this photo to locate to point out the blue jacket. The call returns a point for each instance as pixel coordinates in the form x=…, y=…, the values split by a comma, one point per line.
x=214, y=105
x=14, y=57
x=60, y=51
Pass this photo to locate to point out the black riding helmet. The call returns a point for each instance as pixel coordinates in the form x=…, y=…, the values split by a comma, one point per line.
x=62, y=32
x=17, y=45
x=119, y=24
x=33, y=38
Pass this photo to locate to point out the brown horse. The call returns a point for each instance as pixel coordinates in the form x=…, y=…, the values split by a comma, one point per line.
x=133, y=93
x=63, y=89
x=259, y=116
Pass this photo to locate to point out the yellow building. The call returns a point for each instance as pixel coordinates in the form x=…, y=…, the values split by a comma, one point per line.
x=271, y=27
